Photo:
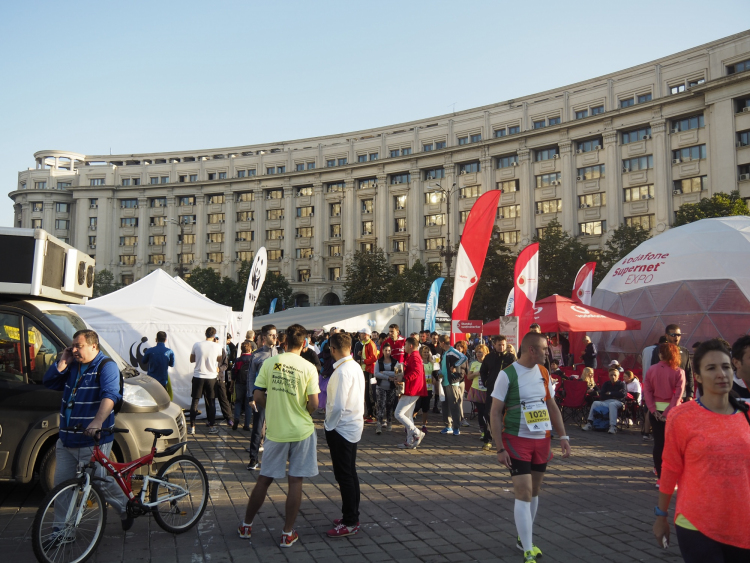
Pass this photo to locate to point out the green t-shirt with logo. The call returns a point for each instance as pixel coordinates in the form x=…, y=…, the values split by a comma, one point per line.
x=288, y=379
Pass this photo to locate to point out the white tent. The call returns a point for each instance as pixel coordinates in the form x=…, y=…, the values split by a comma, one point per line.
x=376, y=316
x=130, y=318
x=697, y=276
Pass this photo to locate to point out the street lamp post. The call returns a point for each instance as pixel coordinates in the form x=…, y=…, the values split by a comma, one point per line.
x=447, y=251
x=180, y=266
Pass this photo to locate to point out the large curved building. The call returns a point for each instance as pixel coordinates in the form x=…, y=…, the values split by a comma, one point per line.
x=631, y=147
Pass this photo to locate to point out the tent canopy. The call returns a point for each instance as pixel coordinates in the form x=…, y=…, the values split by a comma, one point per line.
x=561, y=314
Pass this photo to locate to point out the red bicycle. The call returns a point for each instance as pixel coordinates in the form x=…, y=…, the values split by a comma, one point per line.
x=71, y=519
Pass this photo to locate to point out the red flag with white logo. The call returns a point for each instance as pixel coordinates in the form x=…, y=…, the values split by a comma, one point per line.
x=525, y=285
x=473, y=250
x=584, y=284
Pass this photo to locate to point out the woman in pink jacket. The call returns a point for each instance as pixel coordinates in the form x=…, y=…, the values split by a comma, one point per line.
x=662, y=391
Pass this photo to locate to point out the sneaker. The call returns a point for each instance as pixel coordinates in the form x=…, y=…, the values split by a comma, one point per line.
x=253, y=465
x=465, y=422
x=235, y=425
x=389, y=427
x=405, y=446
x=528, y=556
x=287, y=540
x=245, y=531
x=482, y=436
x=447, y=430
x=644, y=437
x=587, y=427
x=369, y=420
x=341, y=531
x=534, y=549
x=213, y=430
x=339, y=521
x=379, y=428
x=487, y=447
x=192, y=431
x=612, y=430
x=436, y=410
x=658, y=482
x=230, y=422
x=127, y=523
x=417, y=440
x=456, y=432
x=247, y=428
x=58, y=538
x=424, y=429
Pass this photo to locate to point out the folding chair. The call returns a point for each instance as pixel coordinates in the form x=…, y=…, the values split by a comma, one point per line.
x=574, y=406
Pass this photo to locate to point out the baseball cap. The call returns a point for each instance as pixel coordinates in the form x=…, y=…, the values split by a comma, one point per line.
x=364, y=331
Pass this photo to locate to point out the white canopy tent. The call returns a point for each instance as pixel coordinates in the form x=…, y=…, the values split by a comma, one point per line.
x=130, y=318
x=697, y=276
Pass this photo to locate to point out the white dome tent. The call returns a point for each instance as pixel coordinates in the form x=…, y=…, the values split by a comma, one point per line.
x=697, y=276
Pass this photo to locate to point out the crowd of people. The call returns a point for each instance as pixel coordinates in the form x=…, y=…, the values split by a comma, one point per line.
x=697, y=412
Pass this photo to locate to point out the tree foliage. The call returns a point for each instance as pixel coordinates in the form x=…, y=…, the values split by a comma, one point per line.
x=495, y=283
x=275, y=286
x=208, y=282
x=560, y=257
x=623, y=240
x=367, y=278
x=104, y=283
x=410, y=286
x=718, y=205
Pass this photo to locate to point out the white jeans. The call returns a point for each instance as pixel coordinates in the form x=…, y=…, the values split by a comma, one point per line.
x=404, y=413
x=613, y=404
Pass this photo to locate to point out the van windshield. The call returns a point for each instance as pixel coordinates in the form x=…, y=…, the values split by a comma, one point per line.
x=70, y=323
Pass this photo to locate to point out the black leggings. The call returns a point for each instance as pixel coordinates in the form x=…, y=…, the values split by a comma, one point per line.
x=658, y=427
x=698, y=548
x=480, y=416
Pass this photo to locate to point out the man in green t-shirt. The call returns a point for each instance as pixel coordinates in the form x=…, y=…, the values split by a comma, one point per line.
x=287, y=386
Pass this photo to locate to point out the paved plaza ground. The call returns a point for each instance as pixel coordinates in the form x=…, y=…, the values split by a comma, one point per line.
x=446, y=501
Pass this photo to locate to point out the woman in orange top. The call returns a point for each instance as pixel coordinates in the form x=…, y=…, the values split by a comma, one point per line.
x=707, y=450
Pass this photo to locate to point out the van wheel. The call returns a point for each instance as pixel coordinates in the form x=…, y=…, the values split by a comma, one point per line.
x=47, y=470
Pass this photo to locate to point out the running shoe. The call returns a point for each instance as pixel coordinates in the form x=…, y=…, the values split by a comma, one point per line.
x=456, y=432
x=245, y=531
x=612, y=430
x=235, y=425
x=253, y=465
x=417, y=440
x=465, y=422
x=424, y=429
x=369, y=420
x=127, y=523
x=247, y=428
x=528, y=557
x=192, y=431
x=482, y=436
x=339, y=521
x=645, y=437
x=588, y=427
x=534, y=549
x=288, y=540
x=341, y=531
x=230, y=422
x=446, y=430
x=487, y=447
x=389, y=427
x=213, y=430
x=658, y=482
x=58, y=538
x=379, y=428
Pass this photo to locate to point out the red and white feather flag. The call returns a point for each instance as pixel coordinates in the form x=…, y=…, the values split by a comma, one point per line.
x=525, y=285
x=584, y=284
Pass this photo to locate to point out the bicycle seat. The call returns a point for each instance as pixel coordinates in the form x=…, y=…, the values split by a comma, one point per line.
x=160, y=431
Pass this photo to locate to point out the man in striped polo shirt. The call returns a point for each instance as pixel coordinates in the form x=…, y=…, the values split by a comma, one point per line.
x=524, y=409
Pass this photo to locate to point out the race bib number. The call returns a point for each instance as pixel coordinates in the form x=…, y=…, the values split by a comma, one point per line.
x=536, y=416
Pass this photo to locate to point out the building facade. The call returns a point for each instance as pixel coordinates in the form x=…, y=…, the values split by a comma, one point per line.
x=631, y=146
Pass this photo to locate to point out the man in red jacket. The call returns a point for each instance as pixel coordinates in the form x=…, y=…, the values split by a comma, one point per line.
x=369, y=356
x=415, y=386
x=397, y=343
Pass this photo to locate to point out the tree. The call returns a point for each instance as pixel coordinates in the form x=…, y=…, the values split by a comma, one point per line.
x=623, y=241
x=560, y=257
x=495, y=283
x=104, y=283
x=208, y=282
x=718, y=205
x=275, y=286
x=367, y=277
x=411, y=286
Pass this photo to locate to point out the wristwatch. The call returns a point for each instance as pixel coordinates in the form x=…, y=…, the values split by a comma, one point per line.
x=659, y=512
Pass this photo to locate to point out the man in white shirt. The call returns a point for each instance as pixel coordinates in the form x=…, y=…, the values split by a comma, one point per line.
x=206, y=355
x=343, y=425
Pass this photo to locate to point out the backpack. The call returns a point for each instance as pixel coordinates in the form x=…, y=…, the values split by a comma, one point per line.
x=241, y=370
x=104, y=362
x=601, y=418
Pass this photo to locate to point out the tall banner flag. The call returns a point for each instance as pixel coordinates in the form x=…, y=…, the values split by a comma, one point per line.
x=509, y=304
x=472, y=252
x=430, y=310
x=272, y=308
x=254, y=283
x=584, y=284
x=525, y=285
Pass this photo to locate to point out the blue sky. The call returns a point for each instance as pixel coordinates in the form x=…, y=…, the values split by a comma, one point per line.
x=136, y=76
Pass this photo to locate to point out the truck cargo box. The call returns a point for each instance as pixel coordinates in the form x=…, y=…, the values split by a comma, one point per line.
x=36, y=264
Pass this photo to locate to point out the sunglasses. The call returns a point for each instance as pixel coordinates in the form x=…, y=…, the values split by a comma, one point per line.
x=675, y=334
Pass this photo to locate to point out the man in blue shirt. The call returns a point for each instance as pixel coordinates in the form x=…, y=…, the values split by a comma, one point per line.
x=268, y=350
x=159, y=359
x=90, y=391
x=451, y=359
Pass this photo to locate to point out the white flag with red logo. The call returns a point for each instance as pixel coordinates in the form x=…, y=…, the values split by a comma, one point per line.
x=473, y=250
x=525, y=285
x=584, y=284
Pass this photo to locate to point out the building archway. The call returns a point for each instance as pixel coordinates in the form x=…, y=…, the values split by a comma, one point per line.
x=330, y=299
x=301, y=300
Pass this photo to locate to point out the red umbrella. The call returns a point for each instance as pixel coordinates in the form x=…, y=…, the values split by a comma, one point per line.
x=562, y=314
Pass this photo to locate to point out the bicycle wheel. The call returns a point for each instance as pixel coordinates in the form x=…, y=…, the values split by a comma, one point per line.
x=182, y=495
x=55, y=536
